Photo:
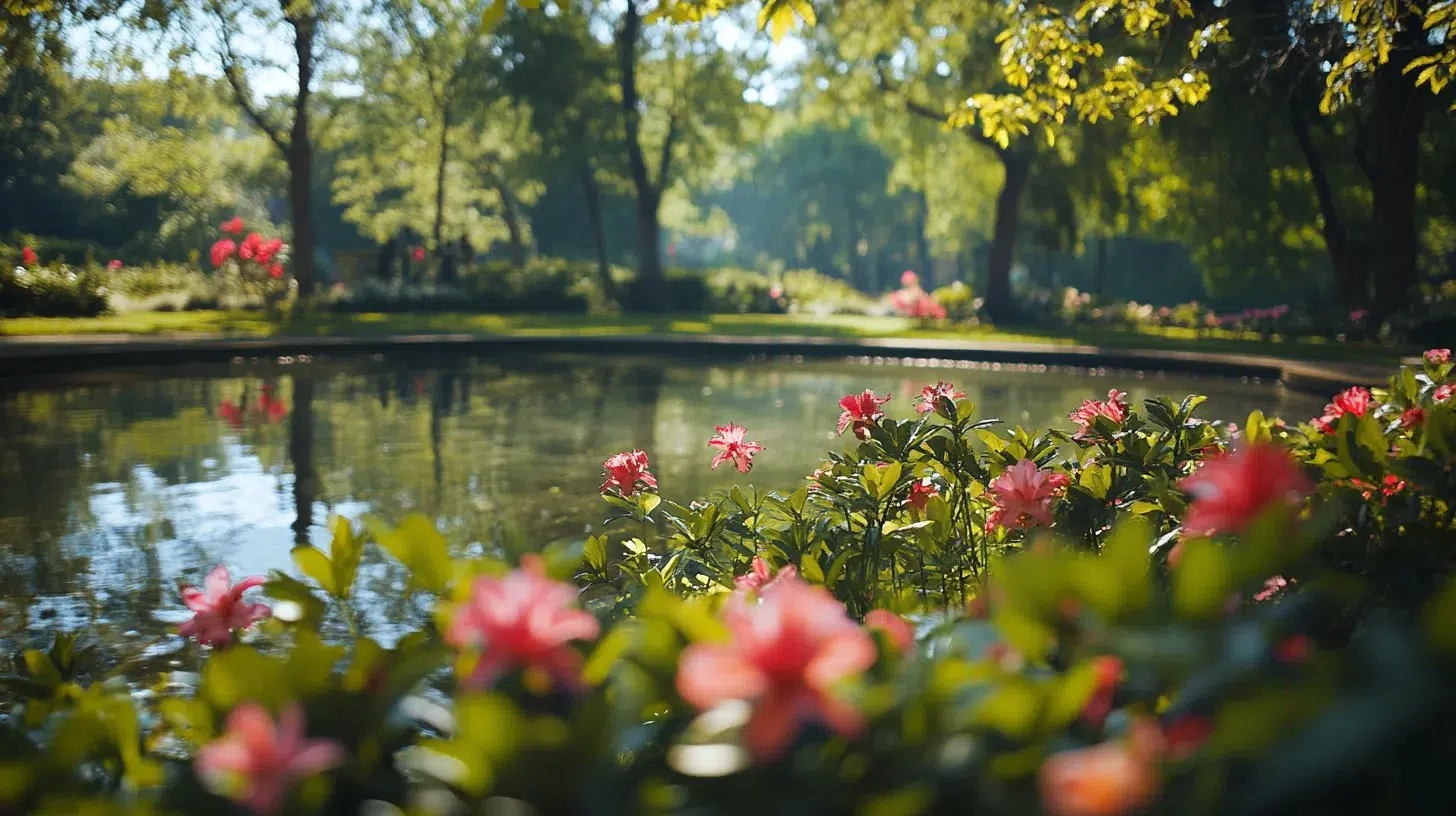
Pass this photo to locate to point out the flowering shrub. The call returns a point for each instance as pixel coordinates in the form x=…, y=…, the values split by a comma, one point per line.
x=1141, y=613
x=252, y=265
x=913, y=302
x=54, y=290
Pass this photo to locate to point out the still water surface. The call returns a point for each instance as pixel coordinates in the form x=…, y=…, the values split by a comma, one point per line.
x=117, y=488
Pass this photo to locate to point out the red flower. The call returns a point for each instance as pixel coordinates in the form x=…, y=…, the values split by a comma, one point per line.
x=730, y=443
x=1444, y=392
x=920, y=493
x=909, y=279
x=926, y=307
x=1108, y=670
x=1232, y=489
x=931, y=395
x=896, y=628
x=275, y=271
x=28, y=256
x=522, y=620
x=257, y=762
x=231, y=413
x=1186, y=735
x=418, y=253
x=1110, y=779
x=233, y=225
x=113, y=264
x=266, y=250
x=1438, y=356
x=760, y=577
x=1412, y=417
x=1114, y=409
x=1024, y=496
x=786, y=655
x=1354, y=401
x=222, y=250
x=628, y=473
x=219, y=608
x=861, y=411
x=1294, y=649
x=249, y=249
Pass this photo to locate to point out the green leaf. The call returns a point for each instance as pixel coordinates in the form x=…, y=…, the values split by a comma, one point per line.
x=608, y=652
x=1011, y=708
x=1203, y=580
x=420, y=547
x=288, y=589
x=648, y=502
x=345, y=552
x=595, y=552
x=1070, y=694
x=313, y=563
x=1032, y=638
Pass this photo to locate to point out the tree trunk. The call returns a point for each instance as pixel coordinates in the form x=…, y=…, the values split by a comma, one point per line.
x=439, y=225
x=513, y=223
x=300, y=450
x=300, y=161
x=1003, y=237
x=652, y=294
x=1099, y=281
x=1352, y=285
x=599, y=233
x=922, y=243
x=1397, y=118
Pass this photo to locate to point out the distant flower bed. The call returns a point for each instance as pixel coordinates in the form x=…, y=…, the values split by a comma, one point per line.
x=1140, y=612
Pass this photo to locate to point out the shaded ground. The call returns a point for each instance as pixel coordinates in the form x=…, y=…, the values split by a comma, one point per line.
x=214, y=323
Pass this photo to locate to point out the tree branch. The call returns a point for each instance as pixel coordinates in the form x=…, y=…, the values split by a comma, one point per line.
x=666, y=162
x=234, y=73
x=889, y=88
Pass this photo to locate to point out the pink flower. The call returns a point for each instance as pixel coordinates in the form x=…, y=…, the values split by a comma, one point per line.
x=233, y=225
x=275, y=271
x=920, y=493
x=785, y=656
x=113, y=264
x=931, y=395
x=1234, y=488
x=522, y=620
x=257, y=762
x=1438, y=356
x=1024, y=496
x=909, y=279
x=1114, y=409
x=222, y=250
x=1444, y=392
x=628, y=473
x=1110, y=779
x=1354, y=401
x=730, y=443
x=760, y=577
x=927, y=307
x=776, y=291
x=896, y=628
x=266, y=250
x=28, y=256
x=219, y=608
x=1273, y=586
x=1358, y=315
x=248, y=250
x=1412, y=417
x=418, y=253
x=861, y=411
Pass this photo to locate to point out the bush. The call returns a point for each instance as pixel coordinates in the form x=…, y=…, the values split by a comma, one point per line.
x=959, y=302
x=52, y=291
x=542, y=286
x=1147, y=613
x=739, y=291
x=152, y=279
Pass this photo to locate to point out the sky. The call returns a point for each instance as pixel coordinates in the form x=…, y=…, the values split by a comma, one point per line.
x=731, y=31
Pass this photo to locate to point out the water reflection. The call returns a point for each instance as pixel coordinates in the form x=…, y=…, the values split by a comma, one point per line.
x=116, y=490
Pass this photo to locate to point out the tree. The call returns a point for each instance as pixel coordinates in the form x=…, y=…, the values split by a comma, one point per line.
x=566, y=78
x=293, y=136
x=432, y=146
x=681, y=95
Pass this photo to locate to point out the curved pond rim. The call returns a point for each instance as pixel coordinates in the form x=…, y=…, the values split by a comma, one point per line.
x=27, y=357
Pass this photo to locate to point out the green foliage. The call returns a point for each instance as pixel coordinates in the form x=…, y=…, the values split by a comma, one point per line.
x=52, y=291
x=1034, y=646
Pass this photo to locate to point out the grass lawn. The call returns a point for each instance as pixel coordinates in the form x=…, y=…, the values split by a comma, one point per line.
x=260, y=325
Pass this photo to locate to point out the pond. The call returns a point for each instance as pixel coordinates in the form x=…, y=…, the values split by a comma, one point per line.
x=119, y=486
